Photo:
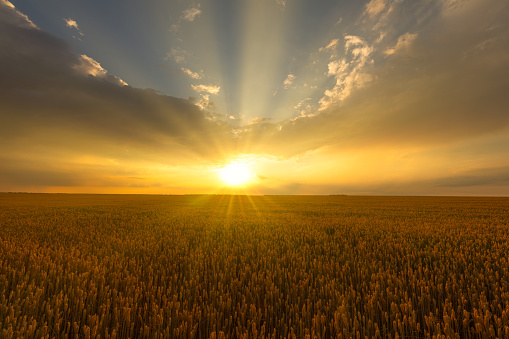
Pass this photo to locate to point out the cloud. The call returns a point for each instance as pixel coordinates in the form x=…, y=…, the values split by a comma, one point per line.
x=206, y=88
x=281, y=3
x=88, y=66
x=192, y=74
x=73, y=24
x=188, y=15
x=206, y=104
x=450, y=91
x=7, y=4
x=404, y=43
x=191, y=13
x=304, y=108
x=9, y=14
x=348, y=73
x=331, y=45
x=58, y=107
x=289, y=81
x=374, y=7
x=178, y=55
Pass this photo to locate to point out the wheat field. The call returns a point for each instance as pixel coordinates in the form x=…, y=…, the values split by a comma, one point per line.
x=142, y=266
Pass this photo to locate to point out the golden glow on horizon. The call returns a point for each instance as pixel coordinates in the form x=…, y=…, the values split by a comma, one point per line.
x=236, y=174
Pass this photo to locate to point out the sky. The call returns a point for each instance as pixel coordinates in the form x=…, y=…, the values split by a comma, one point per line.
x=313, y=97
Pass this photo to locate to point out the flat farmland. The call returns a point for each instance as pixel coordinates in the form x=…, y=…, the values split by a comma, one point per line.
x=148, y=266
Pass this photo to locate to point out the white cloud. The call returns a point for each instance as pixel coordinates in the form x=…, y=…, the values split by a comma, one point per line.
x=191, y=13
x=188, y=15
x=305, y=109
x=358, y=48
x=374, y=7
x=337, y=67
x=177, y=54
x=349, y=74
x=352, y=40
x=73, y=24
x=331, y=45
x=378, y=12
x=206, y=88
x=194, y=75
x=89, y=66
x=289, y=80
x=204, y=102
x=281, y=3
x=405, y=41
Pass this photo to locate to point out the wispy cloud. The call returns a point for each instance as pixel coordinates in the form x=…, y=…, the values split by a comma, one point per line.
x=289, y=81
x=348, y=73
x=205, y=103
x=191, y=13
x=404, y=43
x=304, y=108
x=206, y=88
x=194, y=75
x=374, y=7
x=178, y=55
x=330, y=45
x=188, y=15
x=73, y=24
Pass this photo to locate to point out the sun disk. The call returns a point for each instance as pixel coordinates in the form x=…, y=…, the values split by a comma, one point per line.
x=236, y=174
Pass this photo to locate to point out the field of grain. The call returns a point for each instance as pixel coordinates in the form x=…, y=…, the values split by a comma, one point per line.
x=133, y=266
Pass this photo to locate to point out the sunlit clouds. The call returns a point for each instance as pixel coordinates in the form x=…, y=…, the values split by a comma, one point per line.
x=206, y=88
x=194, y=75
x=74, y=25
x=191, y=13
x=348, y=75
x=374, y=7
x=355, y=97
x=289, y=81
x=404, y=44
x=12, y=15
x=88, y=66
x=188, y=15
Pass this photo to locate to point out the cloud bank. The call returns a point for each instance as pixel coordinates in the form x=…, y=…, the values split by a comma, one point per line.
x=59, y=107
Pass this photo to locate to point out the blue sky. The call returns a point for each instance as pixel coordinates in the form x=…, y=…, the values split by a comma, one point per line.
x=246, y=49
x=317, y=97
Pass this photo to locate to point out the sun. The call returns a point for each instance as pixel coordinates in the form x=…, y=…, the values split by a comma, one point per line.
x=236, y=174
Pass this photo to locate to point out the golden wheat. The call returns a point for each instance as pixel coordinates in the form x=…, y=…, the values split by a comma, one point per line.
x=106, y=266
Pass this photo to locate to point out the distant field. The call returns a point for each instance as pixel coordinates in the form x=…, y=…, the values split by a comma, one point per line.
x=253, y=267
